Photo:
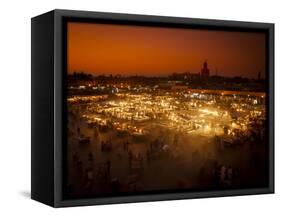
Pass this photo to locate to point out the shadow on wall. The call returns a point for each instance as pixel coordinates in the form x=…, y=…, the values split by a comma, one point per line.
x=25, y=194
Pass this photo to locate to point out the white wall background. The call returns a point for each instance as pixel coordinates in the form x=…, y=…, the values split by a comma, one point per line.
x=15, y=106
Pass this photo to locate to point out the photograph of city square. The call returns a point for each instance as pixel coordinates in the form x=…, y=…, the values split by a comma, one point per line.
x=156, y=109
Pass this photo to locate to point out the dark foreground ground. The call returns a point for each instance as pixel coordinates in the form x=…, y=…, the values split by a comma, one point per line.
x=104, y=161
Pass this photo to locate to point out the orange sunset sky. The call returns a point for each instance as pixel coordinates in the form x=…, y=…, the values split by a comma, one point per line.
x=158, y=51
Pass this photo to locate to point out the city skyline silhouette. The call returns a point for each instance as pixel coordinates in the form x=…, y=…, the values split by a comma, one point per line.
x=160, y=51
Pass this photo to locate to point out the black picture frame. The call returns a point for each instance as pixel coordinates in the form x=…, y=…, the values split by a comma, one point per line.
x=48, y=46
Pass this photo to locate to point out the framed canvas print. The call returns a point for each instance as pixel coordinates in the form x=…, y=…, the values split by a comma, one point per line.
x=130, y=108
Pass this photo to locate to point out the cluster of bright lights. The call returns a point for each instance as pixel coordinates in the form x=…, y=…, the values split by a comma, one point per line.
x=195, y=113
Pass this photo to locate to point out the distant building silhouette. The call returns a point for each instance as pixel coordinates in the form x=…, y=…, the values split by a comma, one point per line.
x=196, y=77
x=205, y=72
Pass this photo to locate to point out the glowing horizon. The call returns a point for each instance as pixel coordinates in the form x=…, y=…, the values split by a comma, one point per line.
x=104, y=49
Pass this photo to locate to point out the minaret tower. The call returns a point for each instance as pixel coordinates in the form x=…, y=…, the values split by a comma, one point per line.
x=205, y=72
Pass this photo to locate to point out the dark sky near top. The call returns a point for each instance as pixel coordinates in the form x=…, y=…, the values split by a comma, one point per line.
x=157, y=51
